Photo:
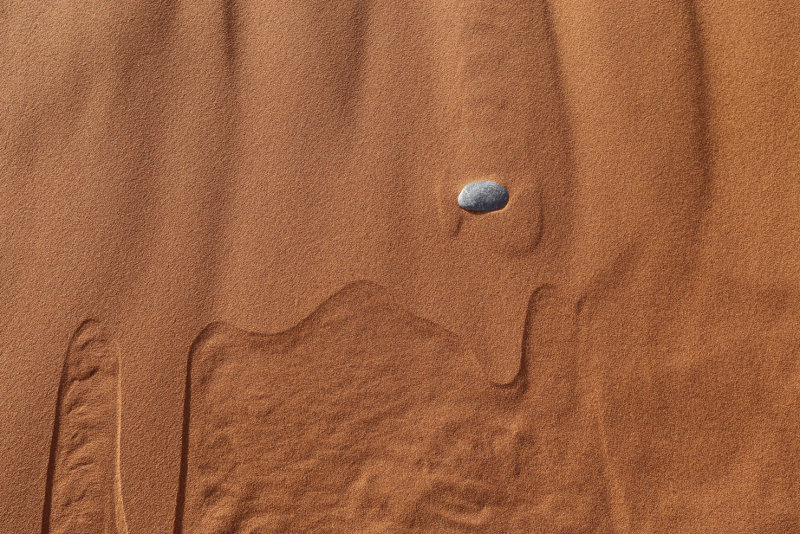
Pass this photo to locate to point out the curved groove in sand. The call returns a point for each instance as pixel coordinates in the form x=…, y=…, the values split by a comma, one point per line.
x=83, y=492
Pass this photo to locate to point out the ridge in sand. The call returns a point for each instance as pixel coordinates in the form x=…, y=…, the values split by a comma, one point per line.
x=83, y=492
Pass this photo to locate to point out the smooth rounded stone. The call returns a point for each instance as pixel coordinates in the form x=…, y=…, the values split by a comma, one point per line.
x=483, y=195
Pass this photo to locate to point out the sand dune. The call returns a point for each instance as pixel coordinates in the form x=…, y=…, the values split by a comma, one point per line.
x=167, y=165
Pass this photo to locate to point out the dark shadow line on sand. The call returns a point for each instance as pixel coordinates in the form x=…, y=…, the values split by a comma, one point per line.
x=180, y=499
x=565, y=111
x=51, y=462
x=702, y=107
x=521, y=382
x=230, y=28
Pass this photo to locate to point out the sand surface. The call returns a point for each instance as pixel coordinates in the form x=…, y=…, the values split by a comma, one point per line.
x=239, y=294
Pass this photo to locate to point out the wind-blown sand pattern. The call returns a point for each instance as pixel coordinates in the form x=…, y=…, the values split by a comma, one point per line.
x=83, y=493
x=399, y=432
x=168, y=164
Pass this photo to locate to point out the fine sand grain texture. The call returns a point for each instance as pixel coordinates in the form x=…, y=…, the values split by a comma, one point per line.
x=616, y=350
x=83, y=492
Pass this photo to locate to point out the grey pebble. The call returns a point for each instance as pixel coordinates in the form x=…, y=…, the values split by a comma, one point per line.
x=483, y=195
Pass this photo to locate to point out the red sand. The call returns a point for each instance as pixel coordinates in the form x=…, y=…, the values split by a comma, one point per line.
x=168, y=165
